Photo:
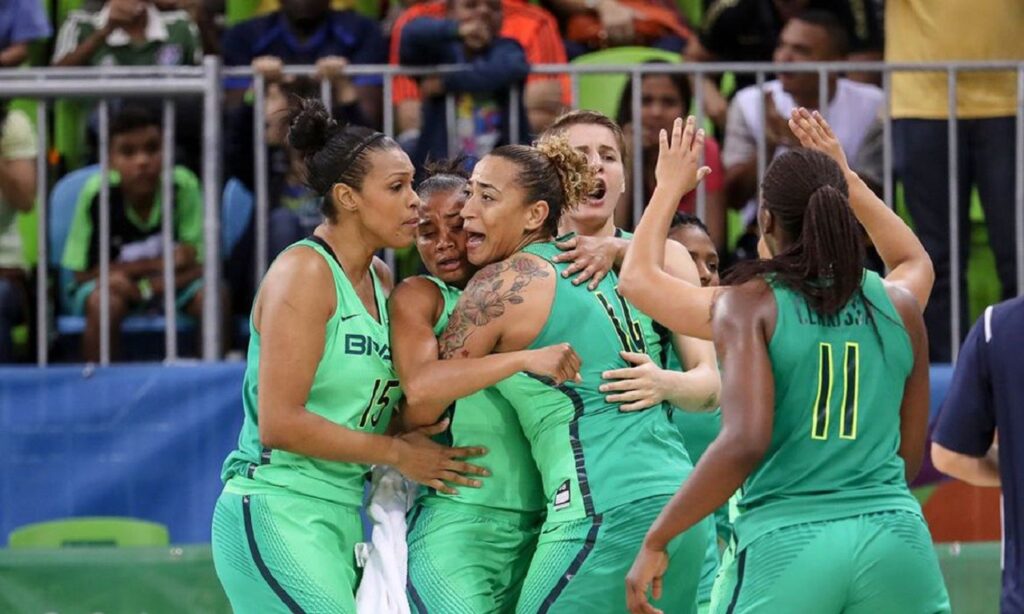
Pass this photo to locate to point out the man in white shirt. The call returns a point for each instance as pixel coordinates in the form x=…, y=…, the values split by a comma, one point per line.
x=852, y=108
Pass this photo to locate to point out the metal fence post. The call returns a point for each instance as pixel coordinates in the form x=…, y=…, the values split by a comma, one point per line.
x=211, y=209
x=167, y=193
x=42, y=255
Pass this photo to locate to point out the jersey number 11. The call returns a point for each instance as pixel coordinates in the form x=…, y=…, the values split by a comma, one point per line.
x=850, y=368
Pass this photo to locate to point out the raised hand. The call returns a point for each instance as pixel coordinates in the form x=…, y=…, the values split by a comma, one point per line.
x=423, y=460
x=813, y=132
x=678, y=165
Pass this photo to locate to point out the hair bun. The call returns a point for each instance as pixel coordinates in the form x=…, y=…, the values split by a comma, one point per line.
x=311, y=127
x=577, y=178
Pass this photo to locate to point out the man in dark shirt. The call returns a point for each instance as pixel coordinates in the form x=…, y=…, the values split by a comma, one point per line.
x=307, y=32
x=986, y=395
x=748, y=31
x=469, y=35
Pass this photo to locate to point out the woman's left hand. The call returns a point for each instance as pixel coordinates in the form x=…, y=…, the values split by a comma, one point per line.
x=637, y=387
x=591, y=258
x=647, y=572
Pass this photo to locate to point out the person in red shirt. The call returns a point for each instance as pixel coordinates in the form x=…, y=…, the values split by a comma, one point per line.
x=546, y=96
x=663, y=98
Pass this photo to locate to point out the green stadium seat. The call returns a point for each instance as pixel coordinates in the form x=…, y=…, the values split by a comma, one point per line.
x=602, y=92
x=89, y=531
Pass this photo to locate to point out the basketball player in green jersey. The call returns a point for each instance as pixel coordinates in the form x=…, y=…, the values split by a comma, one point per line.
x=468, y=552
x=319, y=387
x=604, y=472
x=700, y=428
x=825, y=403
x=656, y=376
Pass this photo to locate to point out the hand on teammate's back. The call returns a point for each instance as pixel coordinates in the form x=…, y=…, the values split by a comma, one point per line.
x=591, y=258
x=813, y=132
x=638, y=387
x=423, y=460
x=559, y=362
x=678, y=167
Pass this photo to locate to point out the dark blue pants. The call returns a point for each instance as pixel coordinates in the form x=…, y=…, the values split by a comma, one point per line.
x=986, y=159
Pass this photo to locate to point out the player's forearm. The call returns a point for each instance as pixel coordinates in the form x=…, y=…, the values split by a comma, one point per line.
x=437, y=384
x=693, y=390
x=897, y=245
x=302, y=432
x=718, y=475
x=643, y=266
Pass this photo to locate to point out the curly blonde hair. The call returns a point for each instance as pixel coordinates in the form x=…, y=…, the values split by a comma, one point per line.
x=554, y=172
x=574, y=172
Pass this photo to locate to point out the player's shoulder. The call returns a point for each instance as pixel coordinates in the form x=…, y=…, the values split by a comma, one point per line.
x=413, y=289
x=749, y=303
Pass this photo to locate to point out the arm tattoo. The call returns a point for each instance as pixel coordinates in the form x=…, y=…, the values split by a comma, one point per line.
x=485, y=299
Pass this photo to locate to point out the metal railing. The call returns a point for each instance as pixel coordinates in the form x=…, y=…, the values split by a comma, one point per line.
x=171, y=85
x=205, y=82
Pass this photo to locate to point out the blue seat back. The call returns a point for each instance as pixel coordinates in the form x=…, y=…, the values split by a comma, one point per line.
x=236, y=210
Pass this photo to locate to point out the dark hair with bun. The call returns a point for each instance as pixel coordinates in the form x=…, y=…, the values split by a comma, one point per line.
x=551, y=171
x=332, y=153
x=443, y=176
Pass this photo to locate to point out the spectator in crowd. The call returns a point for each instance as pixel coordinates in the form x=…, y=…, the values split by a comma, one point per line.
x=589, y=25
x=18, y=150
x=749, y=30
x=136, y=246
x=948, y=30
x=852, y=108
x=128, y=33
x=205, y=15
x=294, y=209
x=468, y=35
x=979, y=437
x=21, y=22
x=663, y=98
x=536, y=30
x=307, y=32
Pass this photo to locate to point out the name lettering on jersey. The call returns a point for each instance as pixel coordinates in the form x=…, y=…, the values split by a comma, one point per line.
x=562, y=496
x=854, y=314
x=363, y=345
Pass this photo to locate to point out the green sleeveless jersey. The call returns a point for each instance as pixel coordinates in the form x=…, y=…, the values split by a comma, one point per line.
x=486, y=419
x=839, y=384
x=354, y=385
x=592, y=456
x=698, y=429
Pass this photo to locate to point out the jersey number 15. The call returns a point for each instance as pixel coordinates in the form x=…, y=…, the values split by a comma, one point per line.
x=822, y=410
x=379, y=400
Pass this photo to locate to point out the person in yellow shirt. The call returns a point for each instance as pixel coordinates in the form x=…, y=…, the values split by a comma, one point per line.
x=944, y=31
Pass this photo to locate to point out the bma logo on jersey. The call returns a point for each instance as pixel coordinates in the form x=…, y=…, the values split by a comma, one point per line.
x=362, y=345
x=562, y=496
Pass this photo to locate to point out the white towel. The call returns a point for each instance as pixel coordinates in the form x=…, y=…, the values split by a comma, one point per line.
x=384, y=559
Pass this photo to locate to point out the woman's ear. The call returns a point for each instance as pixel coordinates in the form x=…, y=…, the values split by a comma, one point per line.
x=536, y=215
x=345, y=198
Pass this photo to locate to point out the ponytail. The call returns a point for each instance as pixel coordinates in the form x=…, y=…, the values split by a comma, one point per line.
x=807, y=194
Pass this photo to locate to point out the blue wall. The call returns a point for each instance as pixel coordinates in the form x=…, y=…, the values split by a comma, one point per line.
x=144, y=441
